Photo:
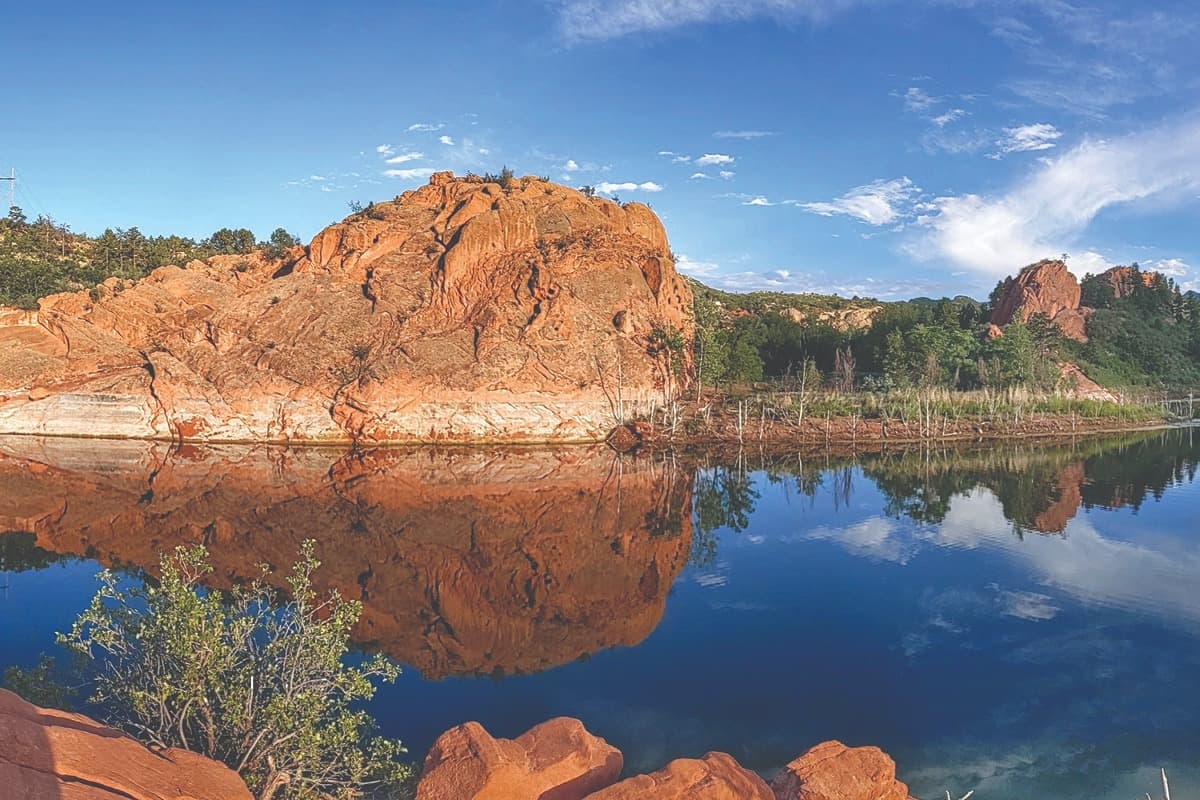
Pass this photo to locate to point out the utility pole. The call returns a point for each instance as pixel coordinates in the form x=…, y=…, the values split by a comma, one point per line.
x=12, y=186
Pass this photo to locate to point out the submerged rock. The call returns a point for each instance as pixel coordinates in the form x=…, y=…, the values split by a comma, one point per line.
x=53, y=754
x=461, y=311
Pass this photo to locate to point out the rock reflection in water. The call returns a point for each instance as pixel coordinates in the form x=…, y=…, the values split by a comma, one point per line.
x=466, y=561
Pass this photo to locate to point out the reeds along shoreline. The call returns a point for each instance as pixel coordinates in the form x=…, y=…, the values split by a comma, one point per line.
x=901, y=415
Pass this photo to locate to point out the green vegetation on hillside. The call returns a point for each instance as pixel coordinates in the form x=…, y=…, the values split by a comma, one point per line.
x=1150, y=338
x=44, y=257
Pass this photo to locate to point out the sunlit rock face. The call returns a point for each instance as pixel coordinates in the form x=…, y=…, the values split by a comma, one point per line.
x=467, y=562
x=461, y=311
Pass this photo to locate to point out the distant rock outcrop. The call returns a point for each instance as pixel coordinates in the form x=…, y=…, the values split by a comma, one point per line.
x=464, y=310
x=54, y=755
x=1048, y=288
x=833, y=771
x=1124, y=280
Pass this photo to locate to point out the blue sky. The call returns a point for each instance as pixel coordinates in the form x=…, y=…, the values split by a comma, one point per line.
x=867, y=147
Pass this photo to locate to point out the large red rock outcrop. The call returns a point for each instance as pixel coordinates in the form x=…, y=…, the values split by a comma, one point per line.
x=1048, y=288
x=466, y=561
x=557, y=760
x=715, y=777
x=460, y=311
x=833, y=771
x=54, y=755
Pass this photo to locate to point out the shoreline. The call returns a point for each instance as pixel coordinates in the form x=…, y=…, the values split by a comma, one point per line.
x=867, y=434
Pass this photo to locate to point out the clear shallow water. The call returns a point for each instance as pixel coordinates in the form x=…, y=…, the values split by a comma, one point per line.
x=1020, y=620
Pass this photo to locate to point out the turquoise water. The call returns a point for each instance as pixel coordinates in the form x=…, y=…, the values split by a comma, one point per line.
x=1023, y=621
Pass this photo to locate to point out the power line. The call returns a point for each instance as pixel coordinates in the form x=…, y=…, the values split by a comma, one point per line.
x=12, y=186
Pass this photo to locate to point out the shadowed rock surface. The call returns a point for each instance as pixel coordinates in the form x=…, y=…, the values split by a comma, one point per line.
x=466, y=562
x=54, y=755
x=460, y=311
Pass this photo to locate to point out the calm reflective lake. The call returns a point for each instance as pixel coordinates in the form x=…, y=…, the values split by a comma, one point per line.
x=1016, y=619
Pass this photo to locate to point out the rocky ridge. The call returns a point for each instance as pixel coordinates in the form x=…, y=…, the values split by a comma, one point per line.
x=462, y=311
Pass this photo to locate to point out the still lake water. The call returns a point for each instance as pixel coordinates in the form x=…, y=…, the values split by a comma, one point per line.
x=1016, y=619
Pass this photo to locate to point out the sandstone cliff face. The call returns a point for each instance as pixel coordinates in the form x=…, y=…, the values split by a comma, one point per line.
x=1048, y=288
x=460, y=311
x=466, y=562
x=53, y=755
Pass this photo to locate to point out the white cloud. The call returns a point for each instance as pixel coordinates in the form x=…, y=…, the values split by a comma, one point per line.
x=384, y=149
x=317, y=178
x=571, y=165
x=744, y=134
x=877, y=203
x=714, y=160
x=917, y=99
x=758, y=201
x=1028, y=138
x=727, y=174
x=425, y=127
x=697, y=269
x=628, y=186
x=594, y=20
x=446, y=140
x=942, y=120
x=1045, y=213
x=698, y=176
x=677, y=158
x=1171, y=267
x=409, y=174
x=404, y=158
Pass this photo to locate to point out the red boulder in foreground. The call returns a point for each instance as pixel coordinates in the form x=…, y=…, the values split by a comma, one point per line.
x=833, y=771
x=557, y=760
x=715, y=777
x=53, y=755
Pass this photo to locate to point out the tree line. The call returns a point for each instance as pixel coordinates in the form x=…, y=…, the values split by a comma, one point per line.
x=44, y=256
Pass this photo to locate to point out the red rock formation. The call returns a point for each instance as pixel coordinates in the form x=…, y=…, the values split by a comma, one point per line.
x=1048, y=288
x=715, y=777
x=1055, y=517
x=1080, y=385
x=560, y=760
x=833, y=771
x=1123, y=280
x=460, y=311
x=557, y=760
x=466, y=562
x=53, y=755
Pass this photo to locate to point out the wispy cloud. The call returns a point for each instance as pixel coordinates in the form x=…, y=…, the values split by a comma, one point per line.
x=678, y=158
x=917, y=99
x=1027, y=138
x=942, y=120
x=595, y=20
x=744, y=134
x=628, y=186
x=409, y=174
x=384, y=149
x=404, y=158
x=1046, y=212
x=446, y=140
x=758, y=201
x=877, y=203
x=714, y=160
x=699, y=176
x=425, y=127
